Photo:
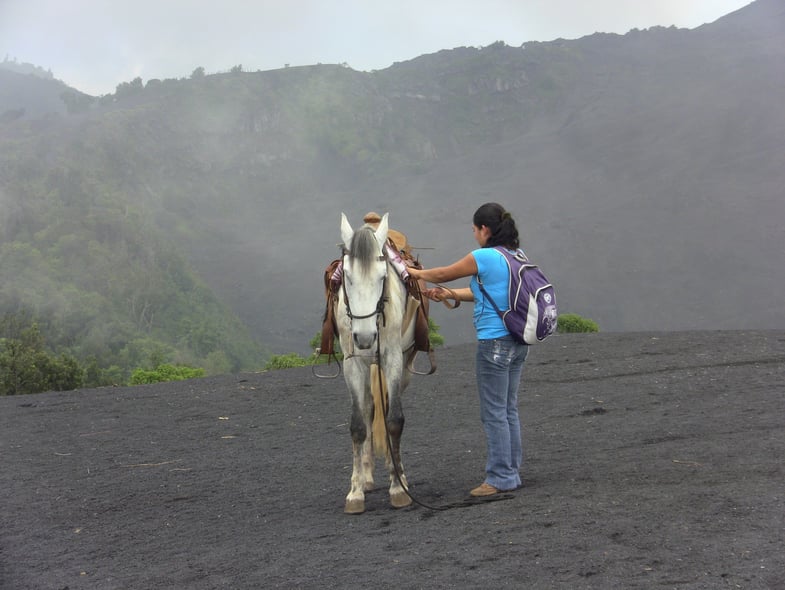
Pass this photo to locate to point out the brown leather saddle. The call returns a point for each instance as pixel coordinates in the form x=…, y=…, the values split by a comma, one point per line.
x=414, y=288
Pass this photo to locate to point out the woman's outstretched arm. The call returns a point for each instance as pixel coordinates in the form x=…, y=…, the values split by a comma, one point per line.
x=465, y=267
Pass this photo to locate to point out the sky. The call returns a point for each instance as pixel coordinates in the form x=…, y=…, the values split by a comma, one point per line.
x=94, y=45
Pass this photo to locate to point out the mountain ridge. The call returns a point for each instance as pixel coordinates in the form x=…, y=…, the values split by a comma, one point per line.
x=643, y=169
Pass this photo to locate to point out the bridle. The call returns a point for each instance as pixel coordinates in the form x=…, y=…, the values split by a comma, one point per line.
x=380, y=304
x=379, y=311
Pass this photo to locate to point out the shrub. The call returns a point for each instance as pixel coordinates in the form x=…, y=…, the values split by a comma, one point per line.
x=287, y=361
x=572, y=322
x=165, y=372
x=26, y=367
x=435, y=338
x=96, y=376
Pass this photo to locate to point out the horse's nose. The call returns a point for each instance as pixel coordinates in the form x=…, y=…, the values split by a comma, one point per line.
x=364, y=340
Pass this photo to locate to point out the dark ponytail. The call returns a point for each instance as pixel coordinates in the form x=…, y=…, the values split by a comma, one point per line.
x=500, y=222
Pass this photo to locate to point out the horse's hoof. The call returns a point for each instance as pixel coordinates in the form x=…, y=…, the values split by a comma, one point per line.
x=400, y=500
x=354, y=507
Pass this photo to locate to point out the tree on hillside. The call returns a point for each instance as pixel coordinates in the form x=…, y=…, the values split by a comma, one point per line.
x=135, y=86
x=25, y=367
x=76, y=102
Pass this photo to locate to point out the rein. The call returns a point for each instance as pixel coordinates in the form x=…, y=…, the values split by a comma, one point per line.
x=460, y=504
x=385, y=409
x=447, y=304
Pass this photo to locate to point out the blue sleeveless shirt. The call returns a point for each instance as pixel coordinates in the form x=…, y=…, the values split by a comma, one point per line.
x=495, y=276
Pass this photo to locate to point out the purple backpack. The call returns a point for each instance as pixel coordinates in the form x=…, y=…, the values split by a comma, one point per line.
x=532, y=315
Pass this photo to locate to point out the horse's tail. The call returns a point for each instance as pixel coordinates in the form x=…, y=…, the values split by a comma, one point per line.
x=379, y=428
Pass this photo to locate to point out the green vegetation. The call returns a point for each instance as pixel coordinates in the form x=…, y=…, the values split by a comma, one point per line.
x=92, y=264
x=106, y=212
x=287, y=361
x=165, y=372
x=292, y=359
x=435, y=338
x=572, y=322
x=25, y=365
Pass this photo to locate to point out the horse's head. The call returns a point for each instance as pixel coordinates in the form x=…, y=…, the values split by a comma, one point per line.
x=364, y=274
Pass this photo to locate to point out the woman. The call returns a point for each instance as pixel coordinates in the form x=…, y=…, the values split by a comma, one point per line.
x=499, y=358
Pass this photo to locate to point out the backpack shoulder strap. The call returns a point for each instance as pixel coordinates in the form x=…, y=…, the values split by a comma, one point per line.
x=505, y=254
x=489, y=298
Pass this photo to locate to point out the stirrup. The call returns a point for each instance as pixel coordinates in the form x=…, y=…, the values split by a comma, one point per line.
x=316, y=355
x=431, y=360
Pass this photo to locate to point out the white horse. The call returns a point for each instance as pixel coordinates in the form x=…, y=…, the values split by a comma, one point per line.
x=377, y=336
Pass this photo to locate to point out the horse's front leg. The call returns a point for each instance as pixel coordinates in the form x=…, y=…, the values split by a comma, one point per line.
x=399, y=496
x=362, y=445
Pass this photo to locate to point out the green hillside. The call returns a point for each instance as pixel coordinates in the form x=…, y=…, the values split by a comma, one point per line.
x=87, y=254
x=190, y=220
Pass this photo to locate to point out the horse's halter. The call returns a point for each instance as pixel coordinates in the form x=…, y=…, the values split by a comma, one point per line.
x=379, y=311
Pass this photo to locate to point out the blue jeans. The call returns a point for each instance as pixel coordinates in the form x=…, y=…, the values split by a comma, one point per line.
x=499, y=367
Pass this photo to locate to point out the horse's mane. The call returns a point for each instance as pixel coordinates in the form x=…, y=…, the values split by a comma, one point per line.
x=364, y=248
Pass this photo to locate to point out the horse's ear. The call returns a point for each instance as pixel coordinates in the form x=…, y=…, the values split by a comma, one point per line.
x=381, y=231
x=346, y=231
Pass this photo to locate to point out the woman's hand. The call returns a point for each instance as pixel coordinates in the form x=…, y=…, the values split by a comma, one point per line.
x=436, y=294
x=465, y=267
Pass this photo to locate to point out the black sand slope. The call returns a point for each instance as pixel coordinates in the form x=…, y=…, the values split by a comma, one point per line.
x=652, y=461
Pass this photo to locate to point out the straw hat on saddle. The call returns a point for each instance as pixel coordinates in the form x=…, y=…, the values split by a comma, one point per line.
x=397, y=237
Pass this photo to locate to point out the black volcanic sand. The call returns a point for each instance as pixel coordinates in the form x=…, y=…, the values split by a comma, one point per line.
x=652, y=460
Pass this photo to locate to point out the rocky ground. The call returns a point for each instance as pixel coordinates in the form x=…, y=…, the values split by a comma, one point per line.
x=652, y=460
